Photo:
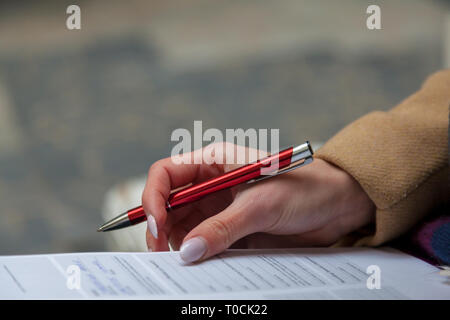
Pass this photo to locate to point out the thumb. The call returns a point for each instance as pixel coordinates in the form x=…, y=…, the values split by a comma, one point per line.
x=217, y=233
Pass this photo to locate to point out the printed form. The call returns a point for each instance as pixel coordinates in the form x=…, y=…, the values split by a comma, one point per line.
x=322, y=273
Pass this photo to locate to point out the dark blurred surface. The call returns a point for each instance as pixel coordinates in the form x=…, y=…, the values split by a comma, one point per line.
x=83, y=110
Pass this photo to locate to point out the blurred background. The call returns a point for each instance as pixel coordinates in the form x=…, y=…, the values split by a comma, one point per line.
x=84, y=113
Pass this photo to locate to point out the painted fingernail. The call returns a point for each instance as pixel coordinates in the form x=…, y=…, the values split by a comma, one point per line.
x=152, y=226
x=193, y=249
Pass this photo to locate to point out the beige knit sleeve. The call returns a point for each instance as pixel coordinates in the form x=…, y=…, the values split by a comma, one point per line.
x=399, y=157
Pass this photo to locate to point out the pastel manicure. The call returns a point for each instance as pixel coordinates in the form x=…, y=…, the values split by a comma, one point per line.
x=193, y=249
x=152, y=226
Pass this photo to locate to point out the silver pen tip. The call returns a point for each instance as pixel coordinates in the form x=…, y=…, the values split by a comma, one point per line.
x=119, y=222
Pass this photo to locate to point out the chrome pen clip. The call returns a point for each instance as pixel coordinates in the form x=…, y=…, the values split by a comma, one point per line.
x=301, y=156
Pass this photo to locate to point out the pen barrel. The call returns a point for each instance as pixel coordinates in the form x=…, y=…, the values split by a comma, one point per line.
x=231, y=179
x=136, y=215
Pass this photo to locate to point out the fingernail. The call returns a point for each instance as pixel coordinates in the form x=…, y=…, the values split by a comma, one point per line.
x=193, y=249
x=152, y=226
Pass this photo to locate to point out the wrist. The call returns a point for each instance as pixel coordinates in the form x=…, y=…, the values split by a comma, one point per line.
x=356, y=209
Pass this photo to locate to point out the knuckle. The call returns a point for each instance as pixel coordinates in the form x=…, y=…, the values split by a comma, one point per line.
x=229, y=147
x=218, y=144
x=226, y=144
x=224, y=230
x=153, y=178
x=155, y=167
x=144, y=199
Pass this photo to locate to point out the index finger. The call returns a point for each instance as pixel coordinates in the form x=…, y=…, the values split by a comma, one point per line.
x=178, y=171
x=164, y=176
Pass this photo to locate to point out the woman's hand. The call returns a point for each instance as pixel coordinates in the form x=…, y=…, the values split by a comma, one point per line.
x=311, y=206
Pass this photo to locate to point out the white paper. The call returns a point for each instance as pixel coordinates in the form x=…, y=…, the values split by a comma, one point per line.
x=322, y=273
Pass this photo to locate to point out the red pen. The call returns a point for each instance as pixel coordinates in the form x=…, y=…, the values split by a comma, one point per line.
x=284, y=161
